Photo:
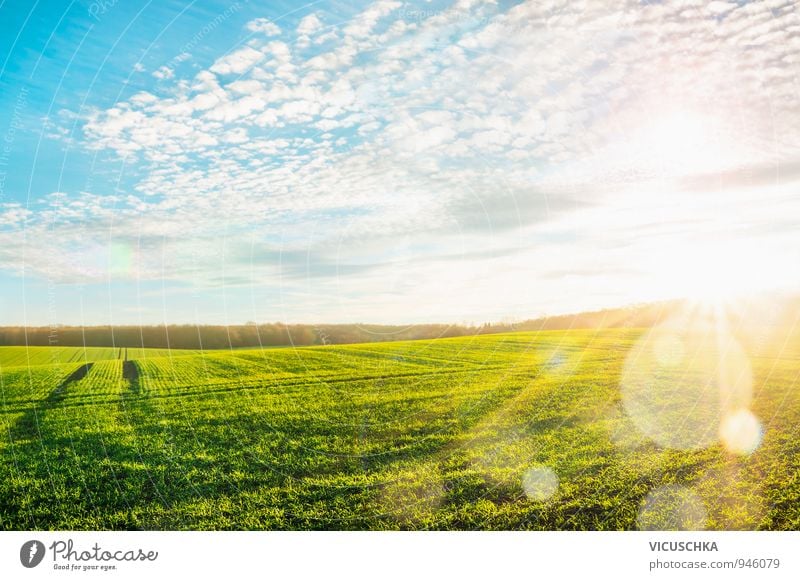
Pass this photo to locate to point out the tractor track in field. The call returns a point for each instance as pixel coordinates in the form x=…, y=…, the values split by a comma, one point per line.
x=238, y=386
x=136, y=390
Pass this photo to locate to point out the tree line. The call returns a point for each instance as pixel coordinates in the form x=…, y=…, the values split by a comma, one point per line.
x=280, y=334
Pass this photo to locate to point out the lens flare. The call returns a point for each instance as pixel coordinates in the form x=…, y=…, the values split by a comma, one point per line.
x=412, y=497
x=734, y=495
x=668, y=350
x=672, y=507
x=120, y=258
x=740, y=432
x=540, y=483
x=555, y=362
x=682, y=378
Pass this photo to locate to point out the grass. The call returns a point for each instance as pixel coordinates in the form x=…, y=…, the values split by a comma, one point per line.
x=12, y=356
x=513, y=431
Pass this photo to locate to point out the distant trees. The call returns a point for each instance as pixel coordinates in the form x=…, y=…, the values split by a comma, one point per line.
x=279, y=334
x=221, y=337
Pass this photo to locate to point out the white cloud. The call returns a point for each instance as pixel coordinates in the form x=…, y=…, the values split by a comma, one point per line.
x=164, y=73
x=455, y=125
x=237, y=62
x=143, y=98
x=363, y=24
x=13, y=214
x=718, y=7
x=309, y=25
x=263, y=25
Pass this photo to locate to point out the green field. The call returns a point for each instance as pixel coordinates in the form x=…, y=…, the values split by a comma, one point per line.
x=547, y=430
x=16, y=356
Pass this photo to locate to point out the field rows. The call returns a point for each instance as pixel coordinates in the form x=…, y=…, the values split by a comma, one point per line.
x=463, y=433
x=22, y=356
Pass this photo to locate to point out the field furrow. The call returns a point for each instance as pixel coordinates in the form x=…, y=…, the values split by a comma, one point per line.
x=549, y=430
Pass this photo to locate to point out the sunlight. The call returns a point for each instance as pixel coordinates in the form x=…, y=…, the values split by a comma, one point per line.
x=678, y=142
x=686, y=381
x=741, y=432
x=718, y=273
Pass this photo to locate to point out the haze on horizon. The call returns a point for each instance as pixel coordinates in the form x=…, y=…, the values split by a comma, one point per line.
x=393, y=162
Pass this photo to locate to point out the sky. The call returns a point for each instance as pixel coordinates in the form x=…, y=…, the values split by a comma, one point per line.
x=392, y=161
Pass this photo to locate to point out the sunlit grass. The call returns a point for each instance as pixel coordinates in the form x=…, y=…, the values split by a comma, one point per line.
x=671, y=427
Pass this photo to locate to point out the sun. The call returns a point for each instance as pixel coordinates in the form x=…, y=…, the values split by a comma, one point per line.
x=718, y=273
x=698, y=249
x=682, y=142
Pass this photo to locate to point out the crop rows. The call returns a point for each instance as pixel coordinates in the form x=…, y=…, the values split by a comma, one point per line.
x=27, y=385
x=440, y=434
x=13, y=356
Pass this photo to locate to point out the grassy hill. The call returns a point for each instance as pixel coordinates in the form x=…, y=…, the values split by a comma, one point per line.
x=524, y=430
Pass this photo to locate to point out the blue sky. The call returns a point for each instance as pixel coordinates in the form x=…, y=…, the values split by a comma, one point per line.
x=391, y=161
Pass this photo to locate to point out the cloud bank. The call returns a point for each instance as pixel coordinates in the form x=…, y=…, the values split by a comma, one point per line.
x=470, y=159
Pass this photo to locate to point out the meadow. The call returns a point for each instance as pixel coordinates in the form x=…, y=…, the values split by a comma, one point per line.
x=612, y=429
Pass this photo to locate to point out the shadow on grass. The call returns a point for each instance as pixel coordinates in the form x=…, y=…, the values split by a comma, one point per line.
x=27, y=427
x=130, y=372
